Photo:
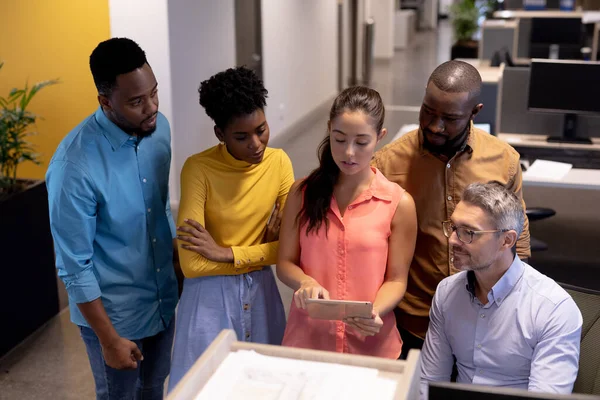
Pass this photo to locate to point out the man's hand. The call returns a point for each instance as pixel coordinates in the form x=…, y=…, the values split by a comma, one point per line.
x=121, y=354
x=201, y=242
x=366, y=326
x=272, y=232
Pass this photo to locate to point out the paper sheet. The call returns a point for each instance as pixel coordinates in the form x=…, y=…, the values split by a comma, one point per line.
x=547, y=170
x=251, y=376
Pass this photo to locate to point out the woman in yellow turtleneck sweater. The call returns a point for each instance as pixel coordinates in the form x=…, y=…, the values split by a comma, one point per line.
x=228, y=195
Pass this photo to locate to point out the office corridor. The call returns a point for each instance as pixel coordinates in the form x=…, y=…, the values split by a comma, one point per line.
x=53, y=364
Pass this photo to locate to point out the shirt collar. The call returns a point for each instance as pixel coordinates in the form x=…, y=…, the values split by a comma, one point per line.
x=377, y=188
x=504, y=286
x=231, y=160
x=467, y=146
x=115, y=135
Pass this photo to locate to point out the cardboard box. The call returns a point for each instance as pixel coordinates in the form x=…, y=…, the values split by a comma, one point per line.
x=407, y=372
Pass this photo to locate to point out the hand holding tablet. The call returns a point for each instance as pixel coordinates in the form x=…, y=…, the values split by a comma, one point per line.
x=338, y=310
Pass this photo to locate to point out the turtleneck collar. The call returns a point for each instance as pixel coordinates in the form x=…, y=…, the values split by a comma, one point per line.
x=234, y=162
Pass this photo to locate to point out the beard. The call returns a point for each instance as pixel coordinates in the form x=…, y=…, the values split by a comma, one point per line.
x=449, y=145
x=144, y=133
x=463, y=260
x=131, y=129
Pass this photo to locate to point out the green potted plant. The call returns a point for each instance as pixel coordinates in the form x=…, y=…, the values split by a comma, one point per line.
x=28, y=288
x=464, y=16
x=15, y=128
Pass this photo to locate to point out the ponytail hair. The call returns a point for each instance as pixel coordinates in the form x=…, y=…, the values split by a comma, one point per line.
x=318, y=187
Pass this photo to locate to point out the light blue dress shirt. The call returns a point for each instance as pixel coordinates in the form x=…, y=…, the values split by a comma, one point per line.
x=527, y=336
x=112, y=226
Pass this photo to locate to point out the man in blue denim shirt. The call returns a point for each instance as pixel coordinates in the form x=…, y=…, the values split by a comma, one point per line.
x=112, y=226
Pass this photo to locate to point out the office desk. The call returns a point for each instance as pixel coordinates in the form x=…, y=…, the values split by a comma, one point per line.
x=516, y=14
x=532, y=147
x=577, y=178
x=521, y=139
x=587, y=17
x=488, y=74
x=572, y=233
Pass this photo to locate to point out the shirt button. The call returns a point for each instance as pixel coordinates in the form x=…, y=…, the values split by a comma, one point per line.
x=154, y=240
x=247, y=335
x=482, y=315
x=350, y=207
x=239, y=262
x=450, y=198
x=160, y=300
x=144, y=180
x=262, y=259
x=479, y=346
x=448, y=165
x=246, y=307
x=157, y=269
x=149, y=210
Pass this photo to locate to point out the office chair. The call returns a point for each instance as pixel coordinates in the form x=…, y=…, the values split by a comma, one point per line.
x=503, y=56
x=588, y=301
x=536, y=214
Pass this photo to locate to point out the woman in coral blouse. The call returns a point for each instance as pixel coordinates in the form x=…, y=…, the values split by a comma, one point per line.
x=348, y=234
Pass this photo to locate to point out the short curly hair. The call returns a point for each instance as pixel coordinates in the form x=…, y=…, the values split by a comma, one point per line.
x=232, y=93
x=114, y=57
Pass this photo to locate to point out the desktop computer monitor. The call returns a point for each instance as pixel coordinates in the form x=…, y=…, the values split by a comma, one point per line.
x=567, y=87
x=463, y=391
x=567, y=34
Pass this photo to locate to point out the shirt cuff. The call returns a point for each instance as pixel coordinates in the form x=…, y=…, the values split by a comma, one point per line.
x=245, y=257
x=84, y=288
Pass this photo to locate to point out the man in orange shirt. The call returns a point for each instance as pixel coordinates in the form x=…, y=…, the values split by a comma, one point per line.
x=435, y=163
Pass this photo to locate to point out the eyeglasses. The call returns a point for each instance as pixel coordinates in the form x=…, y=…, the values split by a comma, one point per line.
x=465, y=235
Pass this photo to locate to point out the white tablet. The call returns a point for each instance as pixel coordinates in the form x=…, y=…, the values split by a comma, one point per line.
x=338, y=309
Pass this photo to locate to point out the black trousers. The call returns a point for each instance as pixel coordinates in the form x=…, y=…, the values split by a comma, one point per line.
x=409, y=340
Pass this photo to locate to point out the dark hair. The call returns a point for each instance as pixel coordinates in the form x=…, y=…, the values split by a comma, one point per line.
x=318, y=186
x=457, y=76
x=231, y=94
x=114, y=57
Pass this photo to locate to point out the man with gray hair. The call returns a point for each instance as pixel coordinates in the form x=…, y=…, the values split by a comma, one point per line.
x=435, y=164
x=503, y=322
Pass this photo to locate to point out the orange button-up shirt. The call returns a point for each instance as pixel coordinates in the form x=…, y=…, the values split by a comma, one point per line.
x=350, y=262
x=436, y=185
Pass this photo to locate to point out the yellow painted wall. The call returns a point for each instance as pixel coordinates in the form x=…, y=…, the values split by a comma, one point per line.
x=46, y=39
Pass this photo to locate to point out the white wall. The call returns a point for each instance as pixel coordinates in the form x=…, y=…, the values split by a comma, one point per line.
x=150, y=30
x=299, y=58
x=382, y=11
x=202, y=42
x=186, y=41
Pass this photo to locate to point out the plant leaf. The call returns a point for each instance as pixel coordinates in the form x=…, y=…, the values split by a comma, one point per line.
x=36, y=88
